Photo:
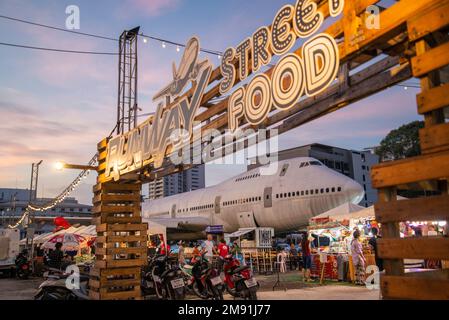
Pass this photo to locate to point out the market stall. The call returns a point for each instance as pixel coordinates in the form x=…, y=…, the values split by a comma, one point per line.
x=332, y=234
x=256, y=247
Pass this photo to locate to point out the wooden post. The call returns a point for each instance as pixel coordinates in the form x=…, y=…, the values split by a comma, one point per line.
x=121, y=245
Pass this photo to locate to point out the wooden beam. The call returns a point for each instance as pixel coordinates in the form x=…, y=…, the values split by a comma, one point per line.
x=434, y=138
x=433, y=99
x=431, y=60
x=427, y=167
x=418, y=209
x=429, y=20
x=431, y=285
x=414, y=248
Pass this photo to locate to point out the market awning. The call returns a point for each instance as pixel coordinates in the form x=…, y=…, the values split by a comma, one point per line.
x=339, y=213
x=241, y=232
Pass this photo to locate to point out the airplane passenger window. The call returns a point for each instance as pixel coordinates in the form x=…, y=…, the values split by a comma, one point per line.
x=289, y=194
x=311, y=191
x=327, y=190
x=307, y=192
x=333, y=189
x=339, y=189
x=277, y=195
x=260, y=198
x=316, y=191
x=281, y=195
x=322, y=190
x=302, y=192
x=285, y=195
x=297, y=193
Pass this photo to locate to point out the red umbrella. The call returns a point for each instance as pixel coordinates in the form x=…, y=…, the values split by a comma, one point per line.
x=70, y=241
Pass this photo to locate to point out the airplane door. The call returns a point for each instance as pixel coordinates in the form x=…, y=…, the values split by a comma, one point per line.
x=217, y=204
x=173, y=211
x=246, y=219
x=267, y=195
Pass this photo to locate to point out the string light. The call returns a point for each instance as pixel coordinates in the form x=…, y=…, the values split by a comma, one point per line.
x=177, y=48
x=145, y=40
x=163, y=45
x=60, y=198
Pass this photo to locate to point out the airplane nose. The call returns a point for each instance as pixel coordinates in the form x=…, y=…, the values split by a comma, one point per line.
x=354, y=191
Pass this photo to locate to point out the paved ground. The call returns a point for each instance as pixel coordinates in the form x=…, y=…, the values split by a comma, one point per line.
x=14, y=289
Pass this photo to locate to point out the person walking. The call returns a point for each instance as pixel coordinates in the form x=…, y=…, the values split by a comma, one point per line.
x=373, y=243
x=358, y=259
x=181, y=253
x=306, y=257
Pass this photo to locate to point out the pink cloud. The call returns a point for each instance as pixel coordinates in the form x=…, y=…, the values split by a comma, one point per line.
x=153, y=7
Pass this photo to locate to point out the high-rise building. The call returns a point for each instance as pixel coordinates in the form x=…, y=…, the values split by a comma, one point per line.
x=185, y=181
x=354, y=164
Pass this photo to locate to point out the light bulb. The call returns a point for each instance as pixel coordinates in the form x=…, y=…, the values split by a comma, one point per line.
x=163, y=45
x=145, y=40
x=177, y=48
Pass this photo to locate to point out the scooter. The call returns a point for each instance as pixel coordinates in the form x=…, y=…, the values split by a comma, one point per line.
x=22, y=266
x=55, y=288
x=206, y=281
x=239, y=280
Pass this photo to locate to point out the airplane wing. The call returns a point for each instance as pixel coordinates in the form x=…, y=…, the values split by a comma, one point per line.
x=193, y=224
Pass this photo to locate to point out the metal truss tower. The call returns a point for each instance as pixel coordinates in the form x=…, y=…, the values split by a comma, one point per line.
x=127, y=81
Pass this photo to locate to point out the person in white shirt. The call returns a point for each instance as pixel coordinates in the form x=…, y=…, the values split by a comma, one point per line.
x=209, y=248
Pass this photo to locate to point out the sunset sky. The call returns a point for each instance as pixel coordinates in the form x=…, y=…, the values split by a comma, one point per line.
x=57, y=106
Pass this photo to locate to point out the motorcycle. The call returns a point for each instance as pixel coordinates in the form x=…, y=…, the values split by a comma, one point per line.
x=239, y=280
x=22, y=266
x=163, y=278
x=55, y=287
x=206, y=281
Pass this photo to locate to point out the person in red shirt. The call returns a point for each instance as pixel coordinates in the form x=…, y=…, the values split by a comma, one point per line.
x=223, y=251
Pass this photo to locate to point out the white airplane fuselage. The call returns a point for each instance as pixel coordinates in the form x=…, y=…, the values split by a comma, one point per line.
x=300, y=189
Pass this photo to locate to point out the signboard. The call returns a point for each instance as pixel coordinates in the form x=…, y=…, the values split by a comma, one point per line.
x=294, y=76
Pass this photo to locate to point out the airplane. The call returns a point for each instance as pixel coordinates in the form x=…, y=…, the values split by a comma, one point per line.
x=188, y=70
x=301, y=189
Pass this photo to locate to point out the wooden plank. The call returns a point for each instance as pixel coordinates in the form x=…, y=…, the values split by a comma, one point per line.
x=414, y=248
x=104, y=239
x=419, y=209
x=431, y=60
x=120, y=295
x=115, y=209
x=117, y=187
x=113, y=219
x=97, y=284
x=103, y=264
x=430, y=20
x=113, y=198
x=433, y=99
x=432, y=285
x=110, y=251
x=426, y=167
x=434, y=138
x=122, y=227
x=104, y=273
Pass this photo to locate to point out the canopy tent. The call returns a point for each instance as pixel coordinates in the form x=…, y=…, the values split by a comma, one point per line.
x=340, y=213
x=240, y=232
x=86, y=231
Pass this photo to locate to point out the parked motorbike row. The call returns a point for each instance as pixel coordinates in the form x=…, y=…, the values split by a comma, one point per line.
x=165, y=279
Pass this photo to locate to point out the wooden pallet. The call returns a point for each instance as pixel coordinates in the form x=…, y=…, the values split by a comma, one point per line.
x=121, y=245
x=429, y=169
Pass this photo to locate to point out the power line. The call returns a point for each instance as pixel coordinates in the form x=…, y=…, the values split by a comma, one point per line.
x=161, y=40
x=57, y=50
x=57, y=28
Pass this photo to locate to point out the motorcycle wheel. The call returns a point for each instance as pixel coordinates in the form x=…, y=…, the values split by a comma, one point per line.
x=217, y=292
x=232, y=292
x=22, y=275
x=197, y=292
x=252, y=294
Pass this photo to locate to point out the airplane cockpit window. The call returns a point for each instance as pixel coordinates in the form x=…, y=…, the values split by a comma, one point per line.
x=315, y=163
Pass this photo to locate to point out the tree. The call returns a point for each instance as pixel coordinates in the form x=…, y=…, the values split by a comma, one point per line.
x=401, y=143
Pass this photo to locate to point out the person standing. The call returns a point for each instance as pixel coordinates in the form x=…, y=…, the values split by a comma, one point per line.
x=373, y=243
x=358, y=258
x=209, y=248
x=181, y=253
x=223, y=251
x=306, y=257
x=293, y=257
x=55, y=257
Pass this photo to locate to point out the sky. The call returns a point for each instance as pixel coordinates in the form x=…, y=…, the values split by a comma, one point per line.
x=57, y=106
